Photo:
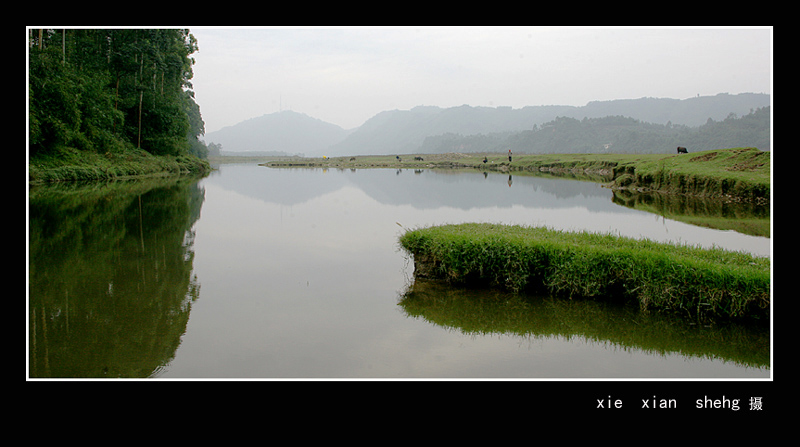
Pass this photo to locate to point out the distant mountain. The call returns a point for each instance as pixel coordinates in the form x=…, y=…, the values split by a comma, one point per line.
x=288, y=132
x=405, y=131
x=691, y=112
x=619, y=134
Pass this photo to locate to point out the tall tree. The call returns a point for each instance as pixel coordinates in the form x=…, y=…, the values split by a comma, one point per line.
x=105, y=89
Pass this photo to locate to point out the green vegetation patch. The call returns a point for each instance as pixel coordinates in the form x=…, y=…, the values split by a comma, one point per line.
x=660, y=276
x=67, y=164
x=110, y=103
x=742, y=173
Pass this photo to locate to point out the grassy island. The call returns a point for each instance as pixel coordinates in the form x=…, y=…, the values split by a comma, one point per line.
x=700, y=282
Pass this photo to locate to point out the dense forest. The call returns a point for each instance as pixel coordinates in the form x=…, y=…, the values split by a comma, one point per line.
x=614, y=134
x=109, y=91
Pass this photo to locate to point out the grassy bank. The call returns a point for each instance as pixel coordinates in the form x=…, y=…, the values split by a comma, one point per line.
x=741, y=174
x=700, y=282
x=738, y=174
x=74, y=165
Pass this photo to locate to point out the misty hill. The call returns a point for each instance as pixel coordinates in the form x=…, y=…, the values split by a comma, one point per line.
x=416, y=130
x=405, y=131
x=614, y=134
x=281, y=132
x=619, y=134
x=690, y=112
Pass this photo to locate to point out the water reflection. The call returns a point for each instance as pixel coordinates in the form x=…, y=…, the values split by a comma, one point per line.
x=484, y=312
x=744, y=218
x=111, y=281
x=528, y=199
x=301, y=273
x=462, y=190
x=423, y=189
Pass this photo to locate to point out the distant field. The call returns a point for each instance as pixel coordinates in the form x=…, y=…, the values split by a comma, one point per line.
x=740, y=173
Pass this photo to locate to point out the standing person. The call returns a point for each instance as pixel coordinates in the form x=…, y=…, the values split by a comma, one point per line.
x=509, y=155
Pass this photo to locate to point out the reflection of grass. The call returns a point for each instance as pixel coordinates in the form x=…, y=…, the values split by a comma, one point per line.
x=487, y=312
x=708, y=282
x=751, y=226
x=745, y=218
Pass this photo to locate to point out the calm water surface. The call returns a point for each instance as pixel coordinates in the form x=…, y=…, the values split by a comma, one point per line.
x=255, y=272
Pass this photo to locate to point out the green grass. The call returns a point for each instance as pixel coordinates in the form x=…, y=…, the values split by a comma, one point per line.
x=742, y=173
x=74, y=165
x=708, y=282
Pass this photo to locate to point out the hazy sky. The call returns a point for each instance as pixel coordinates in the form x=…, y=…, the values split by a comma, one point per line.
x=347, y=75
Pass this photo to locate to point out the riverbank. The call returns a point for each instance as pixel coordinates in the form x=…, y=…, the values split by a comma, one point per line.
x=739, y=174
x=705, y=283
x=73, y=165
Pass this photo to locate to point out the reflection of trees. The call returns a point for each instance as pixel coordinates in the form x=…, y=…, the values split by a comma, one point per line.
x=110, y=276
x=491, y=311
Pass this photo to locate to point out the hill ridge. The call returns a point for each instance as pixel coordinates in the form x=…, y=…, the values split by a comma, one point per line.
x=404, y=131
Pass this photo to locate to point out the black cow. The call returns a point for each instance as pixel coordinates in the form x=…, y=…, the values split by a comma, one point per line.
x=419, y=158
x=682, y=150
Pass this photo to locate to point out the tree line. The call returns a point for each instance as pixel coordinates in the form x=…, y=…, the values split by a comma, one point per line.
x=112, y=90
x=614, y=134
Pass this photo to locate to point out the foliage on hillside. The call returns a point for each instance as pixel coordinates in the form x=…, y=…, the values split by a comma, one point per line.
x=112, y=91
x=614, y=134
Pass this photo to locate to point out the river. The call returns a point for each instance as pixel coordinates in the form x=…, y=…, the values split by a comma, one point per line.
x=264, y=273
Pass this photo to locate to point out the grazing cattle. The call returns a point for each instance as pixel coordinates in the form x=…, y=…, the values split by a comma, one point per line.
x=418, y=158
x=682, y=150
x=352, y=158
